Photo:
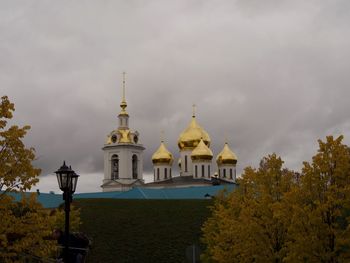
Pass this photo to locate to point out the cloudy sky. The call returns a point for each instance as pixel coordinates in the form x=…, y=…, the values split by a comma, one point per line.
x=271, y=76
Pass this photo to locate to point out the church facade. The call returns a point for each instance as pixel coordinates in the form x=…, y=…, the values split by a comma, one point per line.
x=123, y=159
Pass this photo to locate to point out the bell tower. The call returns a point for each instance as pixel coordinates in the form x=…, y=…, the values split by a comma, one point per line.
x=123, y=154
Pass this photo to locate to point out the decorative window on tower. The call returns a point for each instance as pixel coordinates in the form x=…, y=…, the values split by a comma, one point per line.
x=115, y=167
x=134, y=166
x=208, y=171
x=224, y=170
x=202, y=170
x=157, y=173
x=195, y=170
x=165, y=173
x=185, y=163
x=231, y=173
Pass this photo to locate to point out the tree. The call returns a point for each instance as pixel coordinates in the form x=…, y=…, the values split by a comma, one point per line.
x=250, y=224
x=280, y=216
x=25, y=230
x=16, y=170
x=25, y=226
x=319, y=230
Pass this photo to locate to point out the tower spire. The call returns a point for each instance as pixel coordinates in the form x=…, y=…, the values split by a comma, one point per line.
x=194, y=110
x=162, y=135
x=124, y=86
x=123, y=104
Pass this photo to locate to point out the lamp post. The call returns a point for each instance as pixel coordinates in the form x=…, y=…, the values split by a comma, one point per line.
x=67, y=181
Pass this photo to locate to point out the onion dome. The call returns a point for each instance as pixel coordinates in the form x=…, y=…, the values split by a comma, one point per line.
x=162, y=155
x=192, y=135
x=226, y=156
x=201, y=152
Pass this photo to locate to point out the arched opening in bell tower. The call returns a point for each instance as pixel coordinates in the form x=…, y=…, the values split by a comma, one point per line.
x=134, y=166
x=115, y=167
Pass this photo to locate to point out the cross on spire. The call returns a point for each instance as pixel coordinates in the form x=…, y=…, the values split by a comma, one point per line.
x=194, y=110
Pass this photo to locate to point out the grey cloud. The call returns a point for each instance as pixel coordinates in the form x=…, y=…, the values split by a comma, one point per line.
x=271, y=76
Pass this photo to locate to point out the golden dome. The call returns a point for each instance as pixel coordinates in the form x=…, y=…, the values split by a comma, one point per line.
x=162, y=155
x=201, y=152
x=192, y=135
x=226, y=156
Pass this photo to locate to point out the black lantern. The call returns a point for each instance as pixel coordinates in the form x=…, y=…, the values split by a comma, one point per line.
x=67, y=181
x=64, y=177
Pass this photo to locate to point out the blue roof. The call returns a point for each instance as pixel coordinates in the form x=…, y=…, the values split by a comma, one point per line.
x=195, y=192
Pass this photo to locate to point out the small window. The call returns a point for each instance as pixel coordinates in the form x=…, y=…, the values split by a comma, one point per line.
x=195, y=171
x=165, y=173
x=157, y=173
x=224, y=173
x=231, y=173
x=185, y=163
x=169, y=172
x=208, y=171
x=202, y=170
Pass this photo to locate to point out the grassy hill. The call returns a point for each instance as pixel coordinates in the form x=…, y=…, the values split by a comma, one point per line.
x=142, y=230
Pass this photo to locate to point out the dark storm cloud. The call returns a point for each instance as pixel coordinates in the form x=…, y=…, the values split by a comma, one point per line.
x=270, y=76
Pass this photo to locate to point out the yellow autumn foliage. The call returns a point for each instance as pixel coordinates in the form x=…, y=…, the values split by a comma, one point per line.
x=25, y=226
x=25, y=230
x=250, y=224
x=277, y=215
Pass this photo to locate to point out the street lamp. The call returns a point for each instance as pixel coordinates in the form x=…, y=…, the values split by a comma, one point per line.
x=67, y=181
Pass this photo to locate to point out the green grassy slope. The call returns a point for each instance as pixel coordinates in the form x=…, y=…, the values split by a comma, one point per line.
x=142, y=230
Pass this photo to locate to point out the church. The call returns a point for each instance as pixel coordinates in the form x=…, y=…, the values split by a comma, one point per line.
x=123, y=159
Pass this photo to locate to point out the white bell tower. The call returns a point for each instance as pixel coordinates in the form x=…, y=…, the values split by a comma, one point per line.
x=123, y=155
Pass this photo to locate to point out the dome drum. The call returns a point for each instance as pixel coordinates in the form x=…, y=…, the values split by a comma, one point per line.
x=226, y=161
x=191, y=144
x=162, y=161
x=202, y=158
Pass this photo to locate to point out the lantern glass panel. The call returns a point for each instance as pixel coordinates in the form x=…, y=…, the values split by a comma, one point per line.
x=65, y=180
x=74, y=182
